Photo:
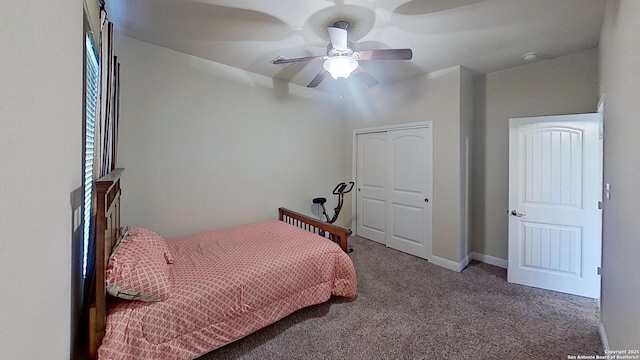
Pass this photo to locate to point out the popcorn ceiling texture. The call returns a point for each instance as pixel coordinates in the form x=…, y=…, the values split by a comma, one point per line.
x=407, y=308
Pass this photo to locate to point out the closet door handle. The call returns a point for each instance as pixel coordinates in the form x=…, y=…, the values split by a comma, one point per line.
x=426, y=199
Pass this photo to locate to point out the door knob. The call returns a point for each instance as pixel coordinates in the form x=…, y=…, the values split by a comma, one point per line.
x=516, y=213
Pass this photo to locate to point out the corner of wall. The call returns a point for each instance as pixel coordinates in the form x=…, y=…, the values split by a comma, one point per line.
x=466, y=164
x=603, y=337
x=451, y=265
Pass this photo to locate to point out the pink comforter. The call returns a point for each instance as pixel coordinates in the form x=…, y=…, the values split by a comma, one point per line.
x=227, y=284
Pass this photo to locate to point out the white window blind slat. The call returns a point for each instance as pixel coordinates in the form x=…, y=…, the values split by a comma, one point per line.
x=91, y=91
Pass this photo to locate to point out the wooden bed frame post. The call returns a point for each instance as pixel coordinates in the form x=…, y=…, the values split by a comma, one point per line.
x=107, y=231
x=334, y=233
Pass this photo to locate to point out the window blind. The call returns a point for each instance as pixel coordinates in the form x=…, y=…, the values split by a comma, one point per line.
x=91, y=94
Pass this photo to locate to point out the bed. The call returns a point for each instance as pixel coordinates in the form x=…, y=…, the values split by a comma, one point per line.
x=220, y=285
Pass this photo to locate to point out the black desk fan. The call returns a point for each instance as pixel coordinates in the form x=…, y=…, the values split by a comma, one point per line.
x=340, y=190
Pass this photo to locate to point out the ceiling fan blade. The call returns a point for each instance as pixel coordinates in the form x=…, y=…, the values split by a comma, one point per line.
x=365, y=77
x=384, y=54
x=338, y=37
x=318, y=79
x=282, y=60
x=421, y=7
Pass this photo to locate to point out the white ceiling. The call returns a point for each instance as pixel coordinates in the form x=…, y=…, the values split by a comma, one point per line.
x=483, y=35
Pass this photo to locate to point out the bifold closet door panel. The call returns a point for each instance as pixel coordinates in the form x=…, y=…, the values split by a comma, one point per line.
x=408, y=187
x=371, y=189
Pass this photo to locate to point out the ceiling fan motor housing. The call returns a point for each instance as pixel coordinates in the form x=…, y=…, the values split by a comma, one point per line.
x=342, y=25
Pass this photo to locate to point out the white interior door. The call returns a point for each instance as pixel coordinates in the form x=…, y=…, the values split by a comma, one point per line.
x=371, y=194
x=409, y=191
x=555, y=221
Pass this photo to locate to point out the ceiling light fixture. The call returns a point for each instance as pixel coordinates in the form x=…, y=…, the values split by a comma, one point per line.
x=340, y=66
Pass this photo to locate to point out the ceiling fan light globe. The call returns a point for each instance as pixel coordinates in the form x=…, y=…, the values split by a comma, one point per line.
x=340, y=66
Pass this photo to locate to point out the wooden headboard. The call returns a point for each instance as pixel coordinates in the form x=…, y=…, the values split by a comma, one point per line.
x=107, y=232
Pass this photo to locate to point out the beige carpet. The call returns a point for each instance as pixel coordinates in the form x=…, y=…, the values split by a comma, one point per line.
x=408, y=308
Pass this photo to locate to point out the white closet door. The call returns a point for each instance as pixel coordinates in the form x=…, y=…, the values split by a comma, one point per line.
x=371, y=182
x=409, y=206
x=394, y=188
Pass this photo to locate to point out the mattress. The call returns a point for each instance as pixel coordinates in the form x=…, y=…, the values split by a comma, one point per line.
x=225, y=285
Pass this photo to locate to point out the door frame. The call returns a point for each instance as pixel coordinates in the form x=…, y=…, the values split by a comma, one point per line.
x=354, y=158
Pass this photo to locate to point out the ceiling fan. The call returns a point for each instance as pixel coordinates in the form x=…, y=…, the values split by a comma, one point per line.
x=342, y=58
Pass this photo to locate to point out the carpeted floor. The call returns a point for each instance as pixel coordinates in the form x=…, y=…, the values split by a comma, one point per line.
x=408, y=308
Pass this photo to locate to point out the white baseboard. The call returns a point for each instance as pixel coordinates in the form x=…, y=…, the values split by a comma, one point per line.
x=603, y=337
x=463, y=264
x=491, y=260
x=451, y=265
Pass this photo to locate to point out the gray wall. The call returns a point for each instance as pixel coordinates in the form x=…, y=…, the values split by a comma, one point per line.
x=620, y=85
x=564, y=85
x=40, y=164
x=207, y=146
x=435, y=97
